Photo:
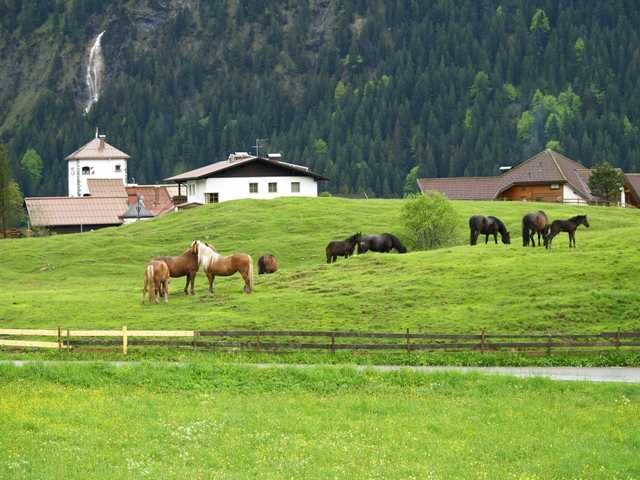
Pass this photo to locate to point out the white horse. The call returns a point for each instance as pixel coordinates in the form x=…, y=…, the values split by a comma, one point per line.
x=212, y=263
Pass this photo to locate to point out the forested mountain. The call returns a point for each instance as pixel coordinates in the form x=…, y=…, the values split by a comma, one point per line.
x=360, y=90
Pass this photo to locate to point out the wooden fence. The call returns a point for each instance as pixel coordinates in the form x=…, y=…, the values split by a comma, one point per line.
x=65, y=339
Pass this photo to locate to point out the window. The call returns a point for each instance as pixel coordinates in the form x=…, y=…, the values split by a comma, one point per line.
x=295, y=187
x=86, y=170
x=211, y=197
x=253, y=188
x=273, y=187
x=118, y=168
x=554, y=186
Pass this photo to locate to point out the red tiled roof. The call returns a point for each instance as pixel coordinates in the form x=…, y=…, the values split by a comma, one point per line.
x=545, y=167
x=106, y=187
x=58, y=211
x=156, y=198
x=95, y=151
x=217, y=167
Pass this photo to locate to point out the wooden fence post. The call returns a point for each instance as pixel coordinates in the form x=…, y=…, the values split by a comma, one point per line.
x=125, y=340
x=333, y=343
x=258, y=343
x=618, y=339
x=482, y=340
x=195, y=339
x=59, y=339
x=549, y=342
x=68, y=340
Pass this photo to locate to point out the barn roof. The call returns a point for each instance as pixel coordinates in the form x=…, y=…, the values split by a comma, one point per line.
x=157, y=198
x=59, y=211
x=112, y=187
x=233, y=162
x=545, y=167
x=97, y=149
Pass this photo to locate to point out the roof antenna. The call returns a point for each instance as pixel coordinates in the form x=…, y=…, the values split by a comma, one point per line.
x=258, y=145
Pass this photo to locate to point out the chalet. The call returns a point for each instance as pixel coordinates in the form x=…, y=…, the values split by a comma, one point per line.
x=98, y=193
x=548, y=176
x=246, y=176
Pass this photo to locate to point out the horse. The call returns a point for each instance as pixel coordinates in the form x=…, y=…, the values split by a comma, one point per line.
x=532, y=223
x=488, y=226
x=341, y=248
x=156, y=281
x=267, y=264
x=380, y=243
x=213, y=264
x=181, y=265
x=568, y=226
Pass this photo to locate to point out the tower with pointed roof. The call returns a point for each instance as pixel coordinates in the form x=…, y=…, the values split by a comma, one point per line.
x=95, y=160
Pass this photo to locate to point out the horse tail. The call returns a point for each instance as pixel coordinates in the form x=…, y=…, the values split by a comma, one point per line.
x=149, y=284
x=525, y=232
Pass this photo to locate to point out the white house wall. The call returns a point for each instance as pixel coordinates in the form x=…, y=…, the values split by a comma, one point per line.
x=102, y=169
x=569, y=196
x=236, y=188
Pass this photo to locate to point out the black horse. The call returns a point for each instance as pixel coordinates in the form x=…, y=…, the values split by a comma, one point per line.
x=488, y=226
x=568, y=226
x=380, y=243
x=342, y=248
x=532, y=223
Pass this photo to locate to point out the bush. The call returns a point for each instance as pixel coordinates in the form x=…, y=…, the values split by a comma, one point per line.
x=430, y=220
x=325, y=194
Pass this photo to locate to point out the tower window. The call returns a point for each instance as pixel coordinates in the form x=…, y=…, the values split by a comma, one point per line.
x=118, y=168
x=86, y=170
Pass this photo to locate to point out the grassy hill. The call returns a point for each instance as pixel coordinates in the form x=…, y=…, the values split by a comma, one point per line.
x=94, y=279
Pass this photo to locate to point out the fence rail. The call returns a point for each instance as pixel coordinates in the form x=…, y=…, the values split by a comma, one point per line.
x=292, y=340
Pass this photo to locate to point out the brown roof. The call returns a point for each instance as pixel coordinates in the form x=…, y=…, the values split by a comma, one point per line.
x=156, y=198
x=58, y=211
x=545, y=167
x=217, y=167
x=633, y=180
x=97, y=149
x=106, y=187
x=462, y=188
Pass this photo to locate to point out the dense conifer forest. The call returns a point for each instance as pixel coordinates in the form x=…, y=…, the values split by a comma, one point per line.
x=359, y=90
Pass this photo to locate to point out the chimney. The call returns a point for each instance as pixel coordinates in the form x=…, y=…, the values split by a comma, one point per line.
x=274, y=156
x=101, y=137
x=505, y=168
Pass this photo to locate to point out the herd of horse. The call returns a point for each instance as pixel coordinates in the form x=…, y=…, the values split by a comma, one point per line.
x=201, y=255
x=532, y=224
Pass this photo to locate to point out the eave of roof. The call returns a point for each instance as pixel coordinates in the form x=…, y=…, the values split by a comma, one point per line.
x=214, y=168
x=92, y=151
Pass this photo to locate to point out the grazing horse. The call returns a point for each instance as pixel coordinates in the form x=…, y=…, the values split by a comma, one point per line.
x=267, y=264
x=568, y=226
x=532, y=223
x=341, y=248
x=181, y=265
x=213, y=264
x=488, y=226
x=156, y=281
x=380, y=243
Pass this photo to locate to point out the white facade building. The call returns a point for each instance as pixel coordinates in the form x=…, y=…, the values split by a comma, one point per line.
x=97, y=159
x=245, y=176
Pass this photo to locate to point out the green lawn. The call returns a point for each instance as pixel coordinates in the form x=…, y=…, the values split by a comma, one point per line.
x=204, y=421
x=94, y=279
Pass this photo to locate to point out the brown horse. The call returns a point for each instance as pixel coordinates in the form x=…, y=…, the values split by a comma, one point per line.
x=568, y=226
x=267, y=264
x=532, y=223
x=341, y=248
x=181, y=265
x=213, y=264
x=156, y=281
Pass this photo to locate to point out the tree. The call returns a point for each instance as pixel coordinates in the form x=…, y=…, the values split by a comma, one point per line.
x=31, y=165
x=429, y=219
x=11, y=211
x=411, y=181
x=606, y=181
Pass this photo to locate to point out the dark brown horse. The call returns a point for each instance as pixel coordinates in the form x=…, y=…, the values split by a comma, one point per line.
x=488, y=226
x=532, y=223
x=568, y=226
x=341, y=248
x=267, y=264
x=181, y=265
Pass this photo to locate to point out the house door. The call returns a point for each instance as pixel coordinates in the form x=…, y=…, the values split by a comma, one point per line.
x=211, y=197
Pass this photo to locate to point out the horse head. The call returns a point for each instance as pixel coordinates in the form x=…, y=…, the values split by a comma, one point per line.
x=194, y=247
x=506, y=237
x=585, y=221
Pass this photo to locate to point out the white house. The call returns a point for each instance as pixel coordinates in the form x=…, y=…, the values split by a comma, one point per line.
x=246, y=176
x=96, y=159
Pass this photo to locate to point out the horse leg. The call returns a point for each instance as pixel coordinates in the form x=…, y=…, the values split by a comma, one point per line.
x=186, y=287
x=495, y=238
x=211, y=278
x=165, y=290
x=246, y=276
x=193, y=282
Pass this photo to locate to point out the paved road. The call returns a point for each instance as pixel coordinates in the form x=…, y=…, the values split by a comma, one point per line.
x=593, y=374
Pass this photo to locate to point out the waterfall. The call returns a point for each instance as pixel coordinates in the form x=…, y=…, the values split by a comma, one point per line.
x=95, y=71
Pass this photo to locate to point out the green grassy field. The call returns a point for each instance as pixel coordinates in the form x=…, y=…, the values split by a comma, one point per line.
x=94, y=279
x=209, y=421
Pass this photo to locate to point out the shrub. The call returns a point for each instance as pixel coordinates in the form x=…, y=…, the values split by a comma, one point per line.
x=324, y=194
x=430, y=220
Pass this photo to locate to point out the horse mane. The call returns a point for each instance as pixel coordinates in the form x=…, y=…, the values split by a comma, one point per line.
x=501, y=226
x=576, y=218
x=353, y=238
